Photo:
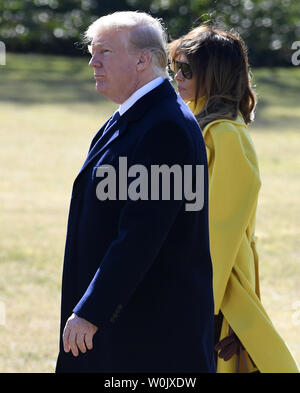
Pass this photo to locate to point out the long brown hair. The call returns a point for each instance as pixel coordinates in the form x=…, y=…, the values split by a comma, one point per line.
x=219, y=62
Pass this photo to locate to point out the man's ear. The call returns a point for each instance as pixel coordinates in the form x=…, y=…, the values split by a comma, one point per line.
x=144, y=61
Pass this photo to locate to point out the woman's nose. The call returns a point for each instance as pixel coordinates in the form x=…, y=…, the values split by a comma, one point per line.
x=178, y=76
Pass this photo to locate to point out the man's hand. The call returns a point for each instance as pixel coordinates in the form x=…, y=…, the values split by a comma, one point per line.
x=78, y=334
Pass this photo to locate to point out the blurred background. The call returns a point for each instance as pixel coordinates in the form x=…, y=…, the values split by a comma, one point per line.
x=49, y=111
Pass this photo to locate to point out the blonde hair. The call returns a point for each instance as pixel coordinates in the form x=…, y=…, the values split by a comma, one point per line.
x=145, y=33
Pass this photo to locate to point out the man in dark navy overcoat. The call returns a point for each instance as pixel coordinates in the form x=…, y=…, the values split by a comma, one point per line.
x=137, y=277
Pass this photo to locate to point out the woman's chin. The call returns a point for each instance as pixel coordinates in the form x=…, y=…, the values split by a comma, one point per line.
x=185, y=97
x=183, y=94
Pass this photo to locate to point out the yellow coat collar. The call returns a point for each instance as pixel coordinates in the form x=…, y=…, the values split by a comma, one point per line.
x=196, y=107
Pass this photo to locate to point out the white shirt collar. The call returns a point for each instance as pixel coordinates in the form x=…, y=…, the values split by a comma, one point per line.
x=139, y=93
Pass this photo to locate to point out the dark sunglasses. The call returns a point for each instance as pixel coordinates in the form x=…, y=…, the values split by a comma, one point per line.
x=184, y=67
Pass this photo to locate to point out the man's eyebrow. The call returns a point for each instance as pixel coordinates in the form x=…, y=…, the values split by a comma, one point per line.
x=98, y=45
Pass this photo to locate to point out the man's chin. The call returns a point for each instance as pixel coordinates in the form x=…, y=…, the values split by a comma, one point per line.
x=100, y=87
x=101, y=90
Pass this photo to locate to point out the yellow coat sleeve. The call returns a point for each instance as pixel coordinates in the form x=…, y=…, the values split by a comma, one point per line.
x=233, y=189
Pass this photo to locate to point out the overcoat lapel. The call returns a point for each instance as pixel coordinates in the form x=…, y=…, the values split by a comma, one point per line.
x=104, y=141
x=99, y=145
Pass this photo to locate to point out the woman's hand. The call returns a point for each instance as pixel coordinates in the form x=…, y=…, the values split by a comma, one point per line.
x=229, y=346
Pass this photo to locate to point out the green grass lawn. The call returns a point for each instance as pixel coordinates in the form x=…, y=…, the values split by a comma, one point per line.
x=49, y=111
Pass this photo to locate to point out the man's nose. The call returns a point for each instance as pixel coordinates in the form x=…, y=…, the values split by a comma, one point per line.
x=95, y=62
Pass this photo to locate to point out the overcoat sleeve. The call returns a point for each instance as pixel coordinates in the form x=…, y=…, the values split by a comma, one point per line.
x=233, y=188
x=143, y=227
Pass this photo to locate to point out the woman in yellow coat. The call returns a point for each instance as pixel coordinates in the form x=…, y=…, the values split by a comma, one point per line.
x=211, y=68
